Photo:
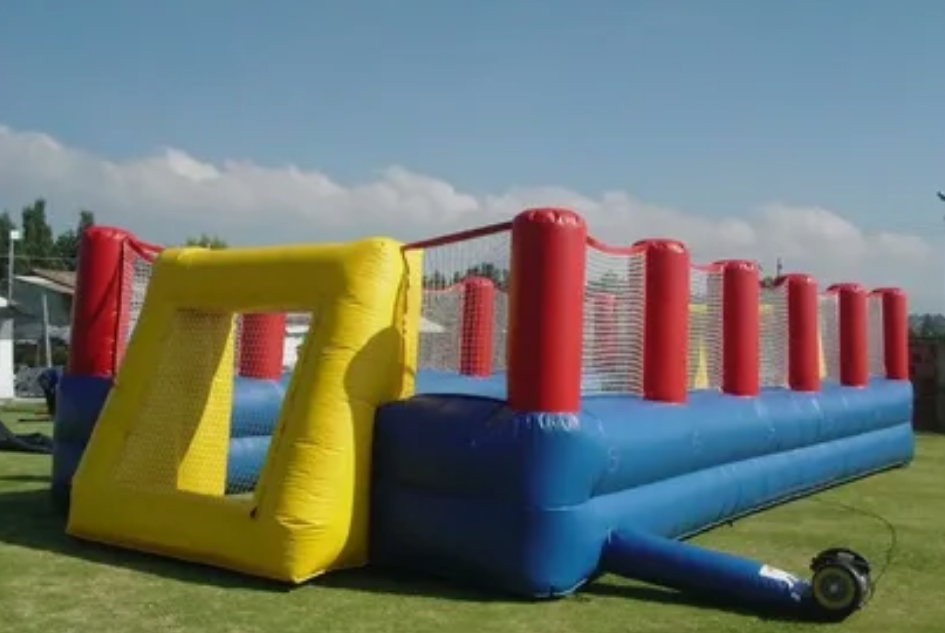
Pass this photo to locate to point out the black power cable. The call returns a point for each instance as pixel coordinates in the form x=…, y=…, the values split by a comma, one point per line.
x=891, y=549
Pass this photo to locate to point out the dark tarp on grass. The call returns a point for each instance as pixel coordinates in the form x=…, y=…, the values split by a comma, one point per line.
x=24, y=443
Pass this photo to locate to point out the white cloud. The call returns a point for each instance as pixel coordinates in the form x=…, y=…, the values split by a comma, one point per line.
x=171, y=194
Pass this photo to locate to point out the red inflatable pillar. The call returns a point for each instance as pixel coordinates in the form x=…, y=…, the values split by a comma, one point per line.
x=665, y=321
x=741, y=327
x=853, y=318
x=262, y=340
x=478, y=327
x=895, y=333
x=803, y=336
x=546, y=310
x=97, y=304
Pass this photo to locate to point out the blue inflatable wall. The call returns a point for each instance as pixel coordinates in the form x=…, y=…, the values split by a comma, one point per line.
x=80, y=399
x=465, y=487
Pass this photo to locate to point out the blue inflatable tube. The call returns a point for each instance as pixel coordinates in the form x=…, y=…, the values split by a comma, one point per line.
x=839, y=586
x=686, y=567
x=244, y=463
x=256, y=405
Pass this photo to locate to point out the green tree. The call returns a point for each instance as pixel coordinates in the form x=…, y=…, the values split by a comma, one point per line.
x=488, y=270
x=439, y=280
x=67, y=242
x=205, y=240
x=609, y=282
x=931, y=326
x=38, y=246
x=86, y=220
x=435, y=281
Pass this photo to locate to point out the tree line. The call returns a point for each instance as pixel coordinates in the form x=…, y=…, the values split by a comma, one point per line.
x=928, y=326
x=40, y=246
x=609, y=282
x=439, y=280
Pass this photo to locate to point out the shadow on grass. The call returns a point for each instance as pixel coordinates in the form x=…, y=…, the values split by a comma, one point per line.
x=25, y=479
x=402, y=583
x=30, y=519
x=669, y=597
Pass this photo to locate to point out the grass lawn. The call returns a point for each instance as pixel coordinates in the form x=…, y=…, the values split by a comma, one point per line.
x=49, y=582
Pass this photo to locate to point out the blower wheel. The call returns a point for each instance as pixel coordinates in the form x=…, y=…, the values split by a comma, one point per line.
x=840, y=584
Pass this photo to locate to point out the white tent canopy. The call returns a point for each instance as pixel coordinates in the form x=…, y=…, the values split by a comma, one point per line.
x=297, y=326
x=429, y=327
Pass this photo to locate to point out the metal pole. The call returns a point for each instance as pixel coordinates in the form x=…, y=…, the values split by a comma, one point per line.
x=46, y=344
x=10, y=250
x=941, y=197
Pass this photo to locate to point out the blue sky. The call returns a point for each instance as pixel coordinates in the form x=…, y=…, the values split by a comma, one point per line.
x=717, y=108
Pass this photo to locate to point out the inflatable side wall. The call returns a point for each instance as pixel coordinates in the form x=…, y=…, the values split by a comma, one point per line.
x=467, y=487
x=519, y=481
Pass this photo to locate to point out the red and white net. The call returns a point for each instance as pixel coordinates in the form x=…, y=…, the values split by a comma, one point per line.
x=773, y=334
x=705, y=328
x=877, y=356
x=465, y=302
x=613, y=320
x=137, y=264
x=828, y=315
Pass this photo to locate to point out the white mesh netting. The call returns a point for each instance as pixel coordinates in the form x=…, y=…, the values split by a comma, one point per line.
x=774, y=341
x=613, y=321
x=464, y=311
x=877, y=356
x=828, y=315
x=705, y=328
x=137, y=265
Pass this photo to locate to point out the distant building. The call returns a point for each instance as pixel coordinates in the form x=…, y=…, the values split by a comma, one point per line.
x=29, y=324
x=28, y=290
x=7, y=382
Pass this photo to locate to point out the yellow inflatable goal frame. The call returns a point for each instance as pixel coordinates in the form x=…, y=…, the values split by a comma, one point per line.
x=153, y=475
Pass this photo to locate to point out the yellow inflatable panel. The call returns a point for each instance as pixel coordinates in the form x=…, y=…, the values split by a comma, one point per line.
x=153, y=475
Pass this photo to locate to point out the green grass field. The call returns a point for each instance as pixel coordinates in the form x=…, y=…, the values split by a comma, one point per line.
x=49, y=582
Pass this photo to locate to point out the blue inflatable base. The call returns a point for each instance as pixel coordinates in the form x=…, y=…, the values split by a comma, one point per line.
x=527, y=502
x=467, y=488
x=244, y=463
x=78, y=403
